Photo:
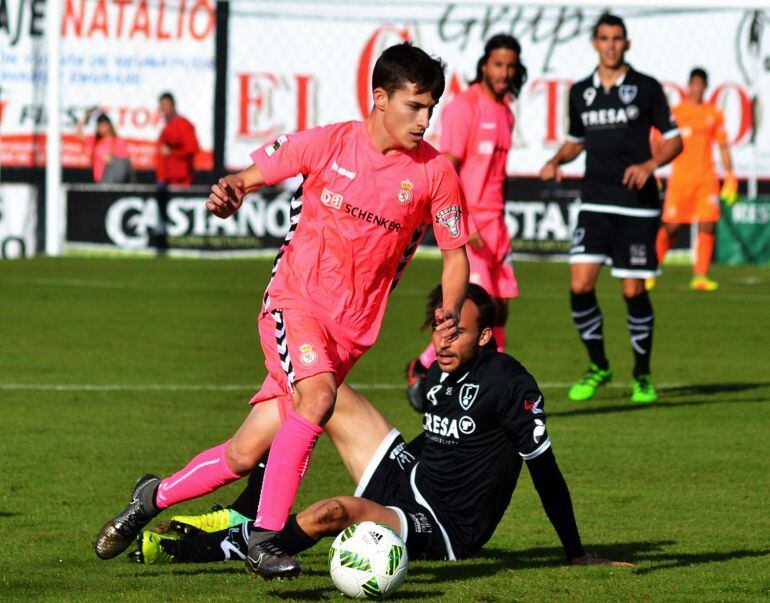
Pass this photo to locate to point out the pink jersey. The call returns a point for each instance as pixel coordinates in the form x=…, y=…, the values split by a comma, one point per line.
x=477, y=130
x=114, y=146
x=362, y=216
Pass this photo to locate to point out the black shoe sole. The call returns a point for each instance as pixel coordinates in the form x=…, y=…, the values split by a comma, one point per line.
x=288, y=575
x=116, y=545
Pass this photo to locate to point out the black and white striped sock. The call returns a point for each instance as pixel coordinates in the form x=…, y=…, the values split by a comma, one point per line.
x=587, y=317
x=641, y=322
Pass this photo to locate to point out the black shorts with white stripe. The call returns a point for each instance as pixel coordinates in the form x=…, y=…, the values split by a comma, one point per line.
x=624, y=240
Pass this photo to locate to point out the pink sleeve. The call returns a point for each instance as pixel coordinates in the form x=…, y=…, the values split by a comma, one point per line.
x=449, y=213
x=290, y=154
x=455, y=128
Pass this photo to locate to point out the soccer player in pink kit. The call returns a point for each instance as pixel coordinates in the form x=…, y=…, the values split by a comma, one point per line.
x=476, y=130
x=370, y=190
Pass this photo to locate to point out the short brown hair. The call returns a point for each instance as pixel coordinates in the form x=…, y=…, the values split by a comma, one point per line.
x=608, y=19
x=405, y=63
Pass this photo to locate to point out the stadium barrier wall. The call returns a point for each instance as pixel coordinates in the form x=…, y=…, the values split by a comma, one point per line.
x=128, y=219
x=310, y=65
x=743, y=234
x=18, y=220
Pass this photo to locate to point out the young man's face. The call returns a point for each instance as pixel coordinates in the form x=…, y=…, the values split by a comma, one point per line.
x=499, y=71
x=406, y=113
x=611, y=44
x=470, y=339
x=697, y=88
x=166, y=107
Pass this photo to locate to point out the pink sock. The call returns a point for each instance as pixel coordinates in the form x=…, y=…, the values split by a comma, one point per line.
x=499, y=334
x=428, y=357
x=205, y=473
x=286, y=465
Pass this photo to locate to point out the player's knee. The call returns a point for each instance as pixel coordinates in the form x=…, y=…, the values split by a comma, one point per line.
x=633, y=287
x=241, y=460
x=318, y=406
x=333, y=515
x=672, y=229
x=580, y=287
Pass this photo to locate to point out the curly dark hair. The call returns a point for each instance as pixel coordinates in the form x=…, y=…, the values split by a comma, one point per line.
x=510, y=43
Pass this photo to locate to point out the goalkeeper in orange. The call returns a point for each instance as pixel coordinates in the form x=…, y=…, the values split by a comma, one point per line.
x=693, y=190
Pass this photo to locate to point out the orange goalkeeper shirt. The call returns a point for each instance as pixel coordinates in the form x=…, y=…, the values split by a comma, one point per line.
x=700, y=126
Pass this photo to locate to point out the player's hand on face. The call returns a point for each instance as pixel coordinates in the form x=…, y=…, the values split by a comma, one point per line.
x=587, y=560
x=475, y=240
x=636, y=176
x=551, y=171
x=446, y=324
x=226, y=197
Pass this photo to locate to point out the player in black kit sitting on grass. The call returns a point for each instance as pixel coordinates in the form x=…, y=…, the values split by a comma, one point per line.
x=446, y=491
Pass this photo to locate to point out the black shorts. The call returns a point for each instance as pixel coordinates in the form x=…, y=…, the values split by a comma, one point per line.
x=386, y=481
x=627, y=243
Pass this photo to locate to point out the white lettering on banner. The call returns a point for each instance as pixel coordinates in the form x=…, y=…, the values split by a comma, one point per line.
x=540, y=220
x=751, y=213
x=131, y=220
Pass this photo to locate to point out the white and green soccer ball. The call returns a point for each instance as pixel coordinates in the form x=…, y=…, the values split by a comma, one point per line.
x=368, y=561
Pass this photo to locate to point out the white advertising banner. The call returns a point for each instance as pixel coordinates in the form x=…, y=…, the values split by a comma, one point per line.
x=18, y=220
x=299, y=64
x=117, y=56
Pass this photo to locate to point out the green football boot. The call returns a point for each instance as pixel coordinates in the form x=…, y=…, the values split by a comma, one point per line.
x=703, y=283
x=589, y=383
x=643, y=390
x=216, y=520
x=149, y=549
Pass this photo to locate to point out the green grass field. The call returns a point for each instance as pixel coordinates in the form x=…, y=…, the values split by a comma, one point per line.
x=112, y=368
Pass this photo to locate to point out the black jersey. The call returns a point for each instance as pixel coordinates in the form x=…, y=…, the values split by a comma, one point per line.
x=479, y=425
x=615, y=126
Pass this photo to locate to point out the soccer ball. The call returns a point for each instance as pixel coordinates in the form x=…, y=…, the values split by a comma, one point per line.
x=368, y=561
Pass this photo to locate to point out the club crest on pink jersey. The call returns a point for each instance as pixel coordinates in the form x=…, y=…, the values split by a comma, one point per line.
x=405, y=194
x=331, y=199
x=449, y=217
x=308, y=355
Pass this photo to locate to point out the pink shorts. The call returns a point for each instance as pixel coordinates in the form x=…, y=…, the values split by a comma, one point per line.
x=490, y=266
x=297, y=346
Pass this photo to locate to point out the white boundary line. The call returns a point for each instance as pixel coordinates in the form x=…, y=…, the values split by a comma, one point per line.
x=191, y=387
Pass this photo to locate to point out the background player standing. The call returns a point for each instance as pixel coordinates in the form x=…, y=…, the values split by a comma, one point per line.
x=611, y=114
x=476, y=137
x=370, y=189
x=692, y=190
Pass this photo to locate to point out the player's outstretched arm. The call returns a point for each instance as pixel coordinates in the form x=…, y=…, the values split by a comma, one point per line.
x=228, y=193
x=454, y=283
x=556, y=500
x=566, y=153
